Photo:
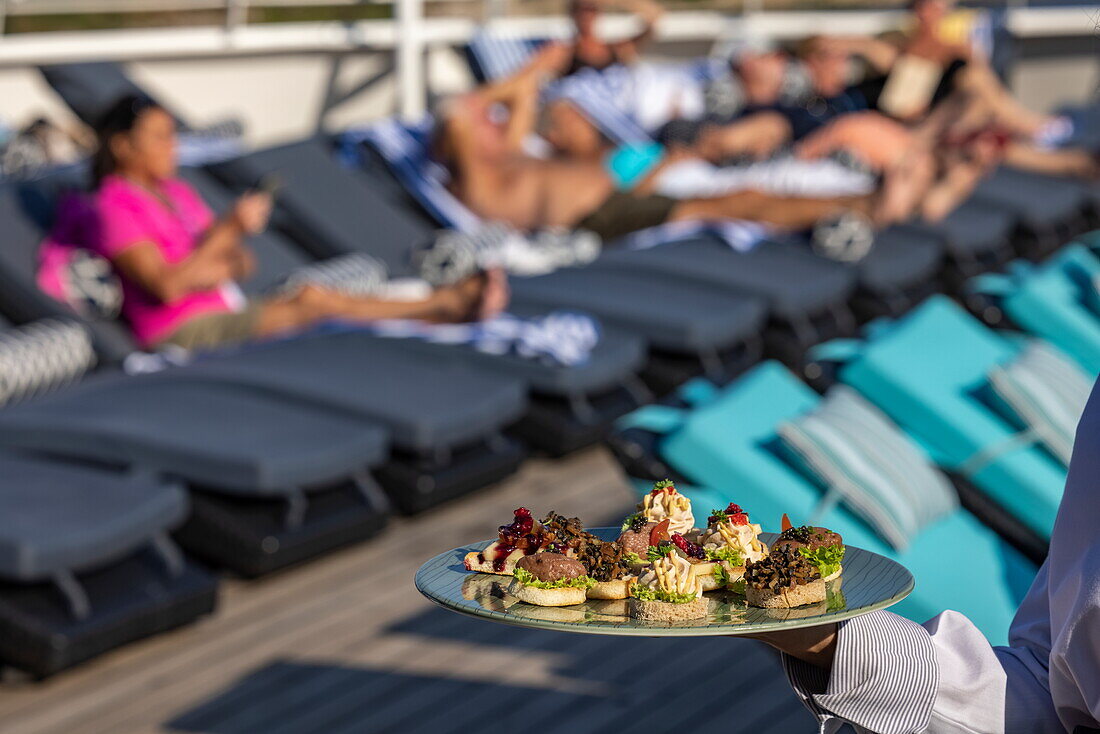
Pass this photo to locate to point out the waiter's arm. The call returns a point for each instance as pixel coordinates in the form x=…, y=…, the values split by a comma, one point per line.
x=890, y=675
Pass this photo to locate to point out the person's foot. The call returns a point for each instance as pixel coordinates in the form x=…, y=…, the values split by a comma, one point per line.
x=477, y=297
x=495, y=295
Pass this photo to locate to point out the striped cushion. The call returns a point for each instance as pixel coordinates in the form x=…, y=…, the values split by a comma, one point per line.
x=1047, y=391
x=875, y=469
x=42, y=356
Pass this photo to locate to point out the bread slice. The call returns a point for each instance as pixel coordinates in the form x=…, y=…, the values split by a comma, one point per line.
x=810, y=593
x=663, y=611
x=563, y=597
x=614, y=589
x=475, y=561
x=570, y=615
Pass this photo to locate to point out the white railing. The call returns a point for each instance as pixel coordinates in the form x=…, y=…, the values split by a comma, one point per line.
x=410, y=34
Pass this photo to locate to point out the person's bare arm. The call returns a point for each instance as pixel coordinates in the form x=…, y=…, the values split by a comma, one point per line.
x=220, y=255
x=814, y=645
x=520, y=92
x=206, y=268
x=649, y=12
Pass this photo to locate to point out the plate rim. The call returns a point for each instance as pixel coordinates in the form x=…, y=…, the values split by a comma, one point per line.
x=631, y=631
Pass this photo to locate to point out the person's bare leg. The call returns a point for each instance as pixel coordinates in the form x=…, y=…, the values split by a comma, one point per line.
x=952, y=188
x=786, y=212
x=758, y=136
x=1067, y=162
x=979, y=79
x=905, y=185
x=463, y=301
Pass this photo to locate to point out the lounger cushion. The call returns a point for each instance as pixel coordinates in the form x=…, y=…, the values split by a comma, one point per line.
x=879, y=474
x=228, y=437
x=901, y=258
x=730, y=449
x=928, y=372
x=792, y=280
x=1047, y=392
x=56, y=516
x=90, y=88
x=329, y=208
x=1041, y=201
x=670, y=314
x=975, y=230
x=1054, y=300
x=425, y=404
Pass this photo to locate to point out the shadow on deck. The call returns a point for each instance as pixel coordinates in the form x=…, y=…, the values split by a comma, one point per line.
x=598, y=684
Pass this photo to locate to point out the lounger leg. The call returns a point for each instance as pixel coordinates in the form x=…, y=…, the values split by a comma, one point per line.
x=582, y=408
x=70, y=588
x=296, y=505
x=169, y=552
x=372, y=493
x=639, y=393
x=712, y=365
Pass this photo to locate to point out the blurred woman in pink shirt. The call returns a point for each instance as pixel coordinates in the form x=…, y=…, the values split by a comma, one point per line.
x=179, y=264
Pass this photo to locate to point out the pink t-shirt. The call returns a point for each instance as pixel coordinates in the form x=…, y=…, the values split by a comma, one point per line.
x=131, y=215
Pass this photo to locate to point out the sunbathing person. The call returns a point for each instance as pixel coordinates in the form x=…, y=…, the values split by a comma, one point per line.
x=493, y=175
x=179, y=264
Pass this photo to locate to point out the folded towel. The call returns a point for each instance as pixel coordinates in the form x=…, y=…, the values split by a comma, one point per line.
x=455, y=255
x=560, y=338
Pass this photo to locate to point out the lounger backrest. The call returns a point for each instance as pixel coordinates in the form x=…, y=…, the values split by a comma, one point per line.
x=732, y=444
x=25, y=212
x=89, y=88
x=929, y=372
x=330, y=210
x=405, y=149
x=1053, y=301
x=494, y=55
x=41, y=357
x=276, y=256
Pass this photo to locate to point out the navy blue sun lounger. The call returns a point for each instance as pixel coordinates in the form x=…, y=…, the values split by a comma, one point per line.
x=572, y=405
x=407, y=468
x=86, y=563
x=330, y=210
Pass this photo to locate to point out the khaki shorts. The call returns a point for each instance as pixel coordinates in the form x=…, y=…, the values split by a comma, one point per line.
x=216, y=329
x=622, y=213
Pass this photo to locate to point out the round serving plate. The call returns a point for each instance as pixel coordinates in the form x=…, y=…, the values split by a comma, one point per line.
x=869, y=582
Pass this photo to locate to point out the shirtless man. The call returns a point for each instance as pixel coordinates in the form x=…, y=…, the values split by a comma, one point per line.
x=493, y=175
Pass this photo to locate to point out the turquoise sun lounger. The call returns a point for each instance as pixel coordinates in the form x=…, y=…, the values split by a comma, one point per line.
x=928, y=372
x=729, y=449
x=1052, y=301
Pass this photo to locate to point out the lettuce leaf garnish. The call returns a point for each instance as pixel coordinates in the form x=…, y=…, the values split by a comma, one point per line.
x=631, y=557
x=645, y=593
x=526, y=578
x=827, y=558
x=725, y=553
x=722, y=576
x=657, y=552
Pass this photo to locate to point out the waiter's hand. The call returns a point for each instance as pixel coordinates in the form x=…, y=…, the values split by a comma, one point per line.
x=814, y=645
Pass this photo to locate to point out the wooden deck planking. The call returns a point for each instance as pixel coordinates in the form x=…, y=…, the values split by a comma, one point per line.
x=347, y=644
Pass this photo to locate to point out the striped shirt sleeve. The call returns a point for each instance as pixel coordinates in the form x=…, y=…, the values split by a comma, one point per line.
x=884, y=677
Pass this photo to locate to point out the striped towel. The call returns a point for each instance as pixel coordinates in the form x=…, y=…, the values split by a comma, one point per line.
x=560, y=338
